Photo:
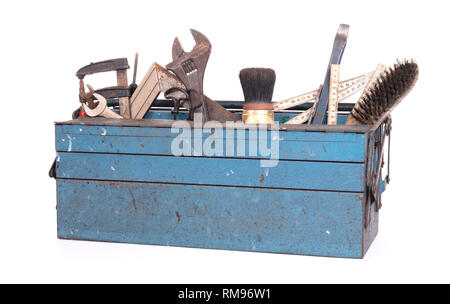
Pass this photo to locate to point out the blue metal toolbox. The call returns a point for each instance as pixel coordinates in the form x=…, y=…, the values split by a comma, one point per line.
x=118, y=181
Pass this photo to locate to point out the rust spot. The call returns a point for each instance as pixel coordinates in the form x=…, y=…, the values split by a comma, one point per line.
x=361, y=198
x=128, y=185
x=142, y=145
x=229, y=213
x=133, y=200
x=261, y=180
x=178, y=216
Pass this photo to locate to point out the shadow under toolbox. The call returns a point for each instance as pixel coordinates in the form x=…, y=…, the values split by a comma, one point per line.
x=118, y=181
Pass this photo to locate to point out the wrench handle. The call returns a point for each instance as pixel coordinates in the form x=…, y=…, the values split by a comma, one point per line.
x=197, y=105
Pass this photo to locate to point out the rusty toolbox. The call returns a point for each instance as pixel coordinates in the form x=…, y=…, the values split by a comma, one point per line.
x=119, y=181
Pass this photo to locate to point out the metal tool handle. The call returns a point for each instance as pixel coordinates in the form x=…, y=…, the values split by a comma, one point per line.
x=136, y=60
x=177, y=101
x=197, y=105
x=340, y=42
x=385, y=132
x=375, y=178
x=374, y=172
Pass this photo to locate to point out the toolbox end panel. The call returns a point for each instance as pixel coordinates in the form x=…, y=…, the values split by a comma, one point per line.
x=250, y=219
x=371, y=231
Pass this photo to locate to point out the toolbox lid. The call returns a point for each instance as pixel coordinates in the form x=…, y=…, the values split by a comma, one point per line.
x=163, y=123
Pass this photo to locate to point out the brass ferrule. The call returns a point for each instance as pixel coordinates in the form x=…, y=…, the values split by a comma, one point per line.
x=258, y=116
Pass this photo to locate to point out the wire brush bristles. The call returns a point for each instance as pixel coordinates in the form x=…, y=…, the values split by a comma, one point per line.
x=388, y=90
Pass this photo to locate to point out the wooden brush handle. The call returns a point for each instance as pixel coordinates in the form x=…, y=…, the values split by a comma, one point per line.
x=381, y=68
x=352, y=121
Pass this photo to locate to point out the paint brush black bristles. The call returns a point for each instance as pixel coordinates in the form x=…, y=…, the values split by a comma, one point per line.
x=257, y=84
x=390, y=88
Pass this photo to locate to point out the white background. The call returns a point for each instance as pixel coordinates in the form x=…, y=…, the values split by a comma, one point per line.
x=45, y=42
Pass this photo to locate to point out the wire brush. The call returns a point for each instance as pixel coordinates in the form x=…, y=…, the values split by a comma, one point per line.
x=384, y=93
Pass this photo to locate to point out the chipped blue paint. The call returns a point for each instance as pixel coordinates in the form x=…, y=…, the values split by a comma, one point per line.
x=282, y=221
x=308, y=146
x=212, y=171
x=122, y=184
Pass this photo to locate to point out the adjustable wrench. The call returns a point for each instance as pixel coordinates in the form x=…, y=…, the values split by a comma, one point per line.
x=87, y=97
x=101, y=109
x=190, y=68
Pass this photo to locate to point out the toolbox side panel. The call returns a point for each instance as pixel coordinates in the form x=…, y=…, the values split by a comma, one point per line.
x=309, y=146
x=250, y=219
x=212, y=171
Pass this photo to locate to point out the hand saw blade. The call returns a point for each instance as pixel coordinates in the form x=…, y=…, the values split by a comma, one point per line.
x=340, y=42
x=346, y=89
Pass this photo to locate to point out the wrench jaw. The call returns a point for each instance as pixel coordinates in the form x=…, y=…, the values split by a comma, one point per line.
x=87, y=97
x=101, y=109
x=201, y=42
x=177, y=49
x=190, y=68
x=200, y=39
